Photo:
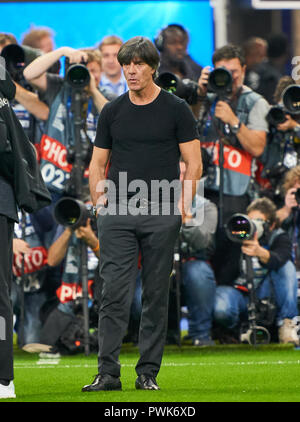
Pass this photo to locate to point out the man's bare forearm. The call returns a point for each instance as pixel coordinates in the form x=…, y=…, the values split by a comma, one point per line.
x=99, y=99
x=96, y=182
x=32, y=103
x=58, y=249
x=190, y=184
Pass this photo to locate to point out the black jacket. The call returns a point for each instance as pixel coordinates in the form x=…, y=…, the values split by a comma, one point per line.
x=18, y=162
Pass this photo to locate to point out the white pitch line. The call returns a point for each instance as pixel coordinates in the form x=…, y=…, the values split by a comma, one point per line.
x=56, y=365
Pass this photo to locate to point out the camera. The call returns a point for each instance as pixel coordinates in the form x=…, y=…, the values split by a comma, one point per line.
x=240, y=227
x=276, y=115
x=291, y=99
x=220, y=82
x=77, y=75
x=17, y=58
x=71, y=212
x=297, y=196
x=183, y=88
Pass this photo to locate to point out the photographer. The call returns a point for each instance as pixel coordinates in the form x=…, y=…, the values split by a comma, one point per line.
x=197, y=243
x=58, y=138
x=65, y=252
x=237, y=118
x=172, y=43
x=270, y=252
x=31, y=286
x=289, y=213
x=30, y=110
x=41, y=38
x=283, y=145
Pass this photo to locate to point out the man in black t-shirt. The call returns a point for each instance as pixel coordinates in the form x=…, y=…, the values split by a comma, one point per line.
x=142, y=133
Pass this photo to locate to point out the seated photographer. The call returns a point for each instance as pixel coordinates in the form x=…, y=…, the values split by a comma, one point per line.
x=64, y=250
x=234, y=114
x=289, y=215
x=30, y=289
x=59, y=139
x=283, y=145
x=197, y=243
x=274, y=273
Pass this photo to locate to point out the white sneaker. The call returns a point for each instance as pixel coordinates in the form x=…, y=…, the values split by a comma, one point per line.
x=288, y=332
x=7, y=391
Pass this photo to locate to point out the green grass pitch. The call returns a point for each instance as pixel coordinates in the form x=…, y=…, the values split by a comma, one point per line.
x=223, y=373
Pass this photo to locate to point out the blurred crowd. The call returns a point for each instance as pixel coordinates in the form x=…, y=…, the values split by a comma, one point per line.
x=245, y=251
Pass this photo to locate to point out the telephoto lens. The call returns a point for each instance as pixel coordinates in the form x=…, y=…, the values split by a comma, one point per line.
x=276, y=115
x=183, y=88
x=240, y=227
x=78, y=75
x=291, y=99
x=220, y=82
x=71, y=212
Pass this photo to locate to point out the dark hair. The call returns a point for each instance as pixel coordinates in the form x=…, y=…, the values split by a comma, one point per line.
x=139, y=48
x=267, y=208
x=277, y=45
x=228, y=52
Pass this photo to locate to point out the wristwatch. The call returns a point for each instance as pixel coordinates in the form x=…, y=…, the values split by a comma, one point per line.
x=94, y=211
x=235, y=128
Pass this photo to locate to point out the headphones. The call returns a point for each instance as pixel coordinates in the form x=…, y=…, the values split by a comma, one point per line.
x=160, y=38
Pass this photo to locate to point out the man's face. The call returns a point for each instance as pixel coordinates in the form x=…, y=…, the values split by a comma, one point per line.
x=46, y=44
x=95, y=69
x=237, y=72
x=138, y=75
x=257, y=215
x=175, y=45
x=110, y=65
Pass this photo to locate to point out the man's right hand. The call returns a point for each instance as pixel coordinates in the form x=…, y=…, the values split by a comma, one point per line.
x=203, y=80
x=20, y=246
x=74, y=56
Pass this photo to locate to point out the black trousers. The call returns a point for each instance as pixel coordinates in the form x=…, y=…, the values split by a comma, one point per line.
x=6, y=312
x=121, y=238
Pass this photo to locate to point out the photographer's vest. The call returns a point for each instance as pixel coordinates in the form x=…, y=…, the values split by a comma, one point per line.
x=71, y=288
x=33, y=127
x=237, y=162
x=57, y=140
x=35, y=263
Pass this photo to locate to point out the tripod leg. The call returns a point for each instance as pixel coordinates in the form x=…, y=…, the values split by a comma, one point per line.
x=85, y=296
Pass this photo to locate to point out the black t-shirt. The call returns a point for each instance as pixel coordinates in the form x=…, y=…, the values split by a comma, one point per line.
x=144, y=138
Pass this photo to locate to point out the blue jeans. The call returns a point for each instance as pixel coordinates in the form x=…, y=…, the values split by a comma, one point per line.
x=199, y=291
x=33, y=302
x=231, y=304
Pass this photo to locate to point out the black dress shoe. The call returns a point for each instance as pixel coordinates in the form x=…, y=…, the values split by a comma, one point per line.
x=145, y=382
x=104, y=383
